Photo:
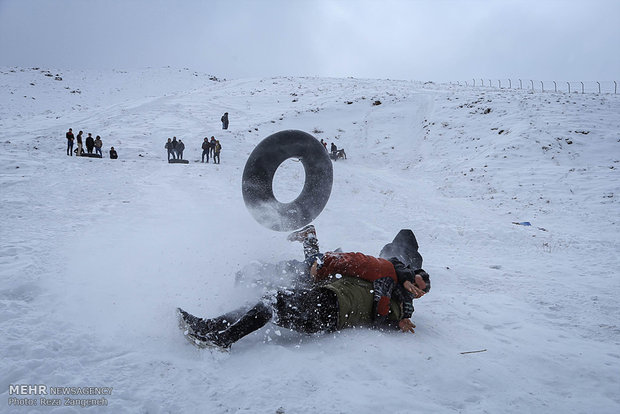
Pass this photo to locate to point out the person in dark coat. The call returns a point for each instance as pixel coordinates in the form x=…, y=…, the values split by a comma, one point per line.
x=212, y=146
x=80, y=146
x=174, y=147
x=90, y=143
x=224, y=120
x=70, y=139
x=170, y=149
x=180, y=148
x=334, y=150
x=206, y=146
x=113, y=154
x=353, y=289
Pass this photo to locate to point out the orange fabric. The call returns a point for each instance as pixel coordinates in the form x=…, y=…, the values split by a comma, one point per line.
x=356, y=264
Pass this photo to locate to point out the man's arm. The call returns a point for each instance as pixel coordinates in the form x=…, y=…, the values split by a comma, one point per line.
x=314, y=269
x=382, y=293
x=382, y=290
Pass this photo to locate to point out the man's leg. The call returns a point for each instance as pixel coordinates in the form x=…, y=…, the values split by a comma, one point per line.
x=307, y=236
x=251, y=321
x=307, y=311
x=227, y=329
x=202, y=326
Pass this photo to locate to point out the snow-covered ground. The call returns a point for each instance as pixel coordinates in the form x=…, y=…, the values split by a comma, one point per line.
x=95, y=254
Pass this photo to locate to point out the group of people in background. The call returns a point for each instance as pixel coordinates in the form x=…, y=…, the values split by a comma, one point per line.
x=92, y=144
x=334, y=152
x=175, y=148
x=211, y=148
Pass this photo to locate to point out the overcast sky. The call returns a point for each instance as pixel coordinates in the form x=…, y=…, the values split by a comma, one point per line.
x=440, y=40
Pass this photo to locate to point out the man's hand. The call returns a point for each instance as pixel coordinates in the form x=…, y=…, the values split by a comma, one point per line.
x=406, y=325
x=314, y=269
x=413, y=289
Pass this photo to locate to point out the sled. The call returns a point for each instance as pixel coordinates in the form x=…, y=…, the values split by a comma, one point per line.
x=172, y=161
x=338, y=154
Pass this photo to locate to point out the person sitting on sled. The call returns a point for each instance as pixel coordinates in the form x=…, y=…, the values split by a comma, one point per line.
x=352, y=289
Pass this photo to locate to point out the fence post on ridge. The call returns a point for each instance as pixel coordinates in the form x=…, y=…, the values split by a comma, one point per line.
x=509, y=84
x=599, y=87
x=542, y=86
x=568, y=83
x=555, y=86
x=520, y=84
x=532, y=82
x=582, y=92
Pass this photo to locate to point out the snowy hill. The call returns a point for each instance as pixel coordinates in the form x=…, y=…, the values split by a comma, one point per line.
x=95, y=254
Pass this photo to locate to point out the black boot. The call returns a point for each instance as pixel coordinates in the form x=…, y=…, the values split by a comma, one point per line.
x=195, y=325
x=223, y=322
x=252, y=320
x=190, y=323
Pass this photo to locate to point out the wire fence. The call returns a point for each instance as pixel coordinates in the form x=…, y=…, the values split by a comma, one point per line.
x=545, y=86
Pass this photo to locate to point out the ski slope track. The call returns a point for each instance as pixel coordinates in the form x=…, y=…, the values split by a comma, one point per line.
x=95, y=254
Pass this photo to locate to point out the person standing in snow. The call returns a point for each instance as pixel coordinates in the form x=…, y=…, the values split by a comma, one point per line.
x=180, y=148
x=224, y=120
x=324, y=144
x=174, y=147
x=352, y=289
x=80, y=146
x=113, y=154
x=170, y=149
x=90, y=143
x=98, y=145
x=206, y=146
x=216, y=152
x=70, y=139
x=212, y=146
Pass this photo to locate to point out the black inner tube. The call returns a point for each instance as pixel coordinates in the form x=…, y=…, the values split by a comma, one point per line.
x=261, y=166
